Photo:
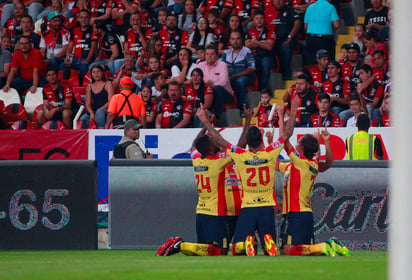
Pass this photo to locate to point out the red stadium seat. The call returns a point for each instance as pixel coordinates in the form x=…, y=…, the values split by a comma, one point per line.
x=255, y=84
x=85, y=124
x=72, y=80
x=22, y=124
x=231, y=105
x=15, y=112
x=78, y=92
x=53, y=125
x=36, y=110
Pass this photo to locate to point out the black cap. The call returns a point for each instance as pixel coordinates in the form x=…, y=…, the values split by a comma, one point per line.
x=354, y=46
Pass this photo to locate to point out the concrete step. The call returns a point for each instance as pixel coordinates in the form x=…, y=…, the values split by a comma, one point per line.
x=276, y=81
x=254, y=98
x=231, y=117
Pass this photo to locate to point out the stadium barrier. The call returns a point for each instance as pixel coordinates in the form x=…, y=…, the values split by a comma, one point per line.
x=48, y=204
x=151, y=201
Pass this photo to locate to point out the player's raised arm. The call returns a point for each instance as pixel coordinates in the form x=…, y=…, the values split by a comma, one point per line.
x=202, y=115
x=290, y=125
x=323, y=166
x=248, y=116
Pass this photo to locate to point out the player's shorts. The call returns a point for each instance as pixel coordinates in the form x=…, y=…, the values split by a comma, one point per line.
x=298, y=229
x=215, y=230
x=251, y=219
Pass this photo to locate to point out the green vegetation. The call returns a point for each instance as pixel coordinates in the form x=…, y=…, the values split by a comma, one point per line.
x=142, y=264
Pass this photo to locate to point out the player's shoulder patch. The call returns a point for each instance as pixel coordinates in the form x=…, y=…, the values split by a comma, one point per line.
x=276, y=144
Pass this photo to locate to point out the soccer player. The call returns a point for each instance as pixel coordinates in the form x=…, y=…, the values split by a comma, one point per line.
x=218, y=203
x=297, y=231
x=256, y=168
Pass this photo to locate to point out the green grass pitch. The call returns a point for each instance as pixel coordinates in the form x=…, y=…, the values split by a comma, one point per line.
x=142, y=264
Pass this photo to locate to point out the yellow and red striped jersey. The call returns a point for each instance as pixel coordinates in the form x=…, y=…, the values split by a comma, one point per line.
x=210, y=181
x=299, y=179
x=257, y=172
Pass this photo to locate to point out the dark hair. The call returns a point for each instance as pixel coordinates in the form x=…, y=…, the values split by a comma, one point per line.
x=324, y=96
x=102, y=69
x=355, y=97
x=365, y=67
x=26, y=37
x=214, y=12
x=101, y=24
x=266, y=91
x=226, y=34
x=174, y=83
x=211, y=47
x=27, y=16
x=202, y=144
x=306, y=72
x=361, y=25
x=378, y=51
x=163, y=9
x=254, y=137
x=51, y=69
x=189, y=52
x=197, y=38
x=172, y=15
x=156, y=76
x=199, y=71
x=345, y=46
x=259, y=13
x=303, y=77
x=85, y=11
x=337, y=65
x=363, y=122
x=184, y=14
x=372, y=35
x=310, y=145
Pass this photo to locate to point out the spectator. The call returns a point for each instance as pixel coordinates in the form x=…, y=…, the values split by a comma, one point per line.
x=245, y=10
x=34, y=7
x=158, y=92
x=202, y=36
x=145, y=77
x=173, y=40
x=154, y=49
x=377, y=17
x=232, y=25
x=127, y=148
x=241, y=64
x=182, y=71
x=148, y=15
x=11, y=25
x=337, y=88
x=372, y=42
x=216, y=75
x=109, y=48
x=199, y=93
x=355, y=107
x=125, y=106
x=57, y=101
x=261, y=40
x=320, y=20
x=137, y=37
x=189, y=17
x=324, y=118
x=350, y=70
x=27, y=28
x=287, y=25
x=54, y=42
x=384, y=119
x=151, y=107
x=161, y=20
x=82, y=45
x=100, y=10
x=360, y=38
x=263, y=109
x=5, y=59
x=121, y=14
x=215, y=23
x=56, y=6
x=343, y=54
x=319, y=71
x=174, y=112
x=308, y=101
x=127, y=69
x=6, y=43
x=362, y=145
x=98, y=95
x=223, y=7
x=27, y=68
x=372, y=94
x=381, y=72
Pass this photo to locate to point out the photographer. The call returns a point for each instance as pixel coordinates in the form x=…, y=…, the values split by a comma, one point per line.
x=127, y=148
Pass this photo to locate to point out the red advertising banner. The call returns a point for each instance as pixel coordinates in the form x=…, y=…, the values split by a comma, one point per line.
x=43, y=144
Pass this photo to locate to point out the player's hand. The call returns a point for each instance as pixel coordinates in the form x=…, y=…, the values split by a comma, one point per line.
x=269, y=135
x=248, y=112
x=201, y=114
x=325, y=134
x=316, y=134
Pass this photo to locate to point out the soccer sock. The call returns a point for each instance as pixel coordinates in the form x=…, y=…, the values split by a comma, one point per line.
x=306, y=250
x=238, y=249
x=197, y=249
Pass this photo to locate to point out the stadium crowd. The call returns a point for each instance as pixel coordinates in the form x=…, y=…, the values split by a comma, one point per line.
x=183, y=53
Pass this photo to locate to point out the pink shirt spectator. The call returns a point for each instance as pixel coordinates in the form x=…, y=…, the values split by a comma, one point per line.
x=217, y=73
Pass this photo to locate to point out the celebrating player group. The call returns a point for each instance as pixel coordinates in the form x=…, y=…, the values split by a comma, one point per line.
x=233, y=216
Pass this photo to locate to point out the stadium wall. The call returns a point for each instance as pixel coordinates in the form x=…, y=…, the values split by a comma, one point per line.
x=152, y=201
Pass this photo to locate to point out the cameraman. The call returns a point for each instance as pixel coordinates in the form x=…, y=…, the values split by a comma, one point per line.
x=127, y=148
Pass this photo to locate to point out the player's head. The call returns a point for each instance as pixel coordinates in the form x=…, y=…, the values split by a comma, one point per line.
x=253, y=137
x=308, y=145
x=363, y=122
x=205, y=145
